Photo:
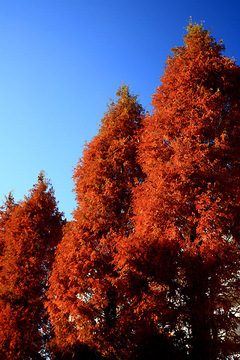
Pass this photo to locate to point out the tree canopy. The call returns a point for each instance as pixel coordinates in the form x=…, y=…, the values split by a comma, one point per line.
x=29, y=233
x=149, y=266
x=186, y=239
x=83, y=302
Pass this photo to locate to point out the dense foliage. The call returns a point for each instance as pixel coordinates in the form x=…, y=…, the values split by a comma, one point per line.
x=84, y=304
x=29, y=233
x=149, y=266
x=186, y=240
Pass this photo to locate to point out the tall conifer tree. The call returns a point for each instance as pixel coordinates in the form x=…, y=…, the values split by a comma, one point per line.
x=187, y=230
x=29, y=233
x=84, y=304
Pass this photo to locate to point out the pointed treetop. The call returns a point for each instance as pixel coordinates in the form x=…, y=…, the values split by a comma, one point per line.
x=201, y=36
x=41, y=177
x=195, y=27
x=197, y=41
x=124, y=93
x=123, y=90
x=8, y=204
x=10, y=199
x=126, y=103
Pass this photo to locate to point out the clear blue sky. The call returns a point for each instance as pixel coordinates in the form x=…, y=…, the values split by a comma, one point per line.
x=60, y=61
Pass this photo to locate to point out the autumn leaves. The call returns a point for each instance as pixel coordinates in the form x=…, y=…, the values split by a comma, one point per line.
x=149, y=265
x=30, y=232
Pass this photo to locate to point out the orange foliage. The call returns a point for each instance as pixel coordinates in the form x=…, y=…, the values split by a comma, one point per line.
x=152, y=254
x=84, y=305
x=30, y=231
x=186, y=239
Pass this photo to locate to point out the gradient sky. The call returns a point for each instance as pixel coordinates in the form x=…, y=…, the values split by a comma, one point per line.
x=61, y=61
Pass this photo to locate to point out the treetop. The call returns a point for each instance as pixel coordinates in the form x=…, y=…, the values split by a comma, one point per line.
x=198, y=38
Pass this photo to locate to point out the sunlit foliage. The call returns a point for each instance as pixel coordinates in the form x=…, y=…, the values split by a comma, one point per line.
x=29, y=233
x=185, y=248
x=84, y=303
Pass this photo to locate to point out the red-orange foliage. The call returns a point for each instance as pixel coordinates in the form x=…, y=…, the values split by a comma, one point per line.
x=84, y=304
x=162, y=269
x=29, y=233
x=187, y=232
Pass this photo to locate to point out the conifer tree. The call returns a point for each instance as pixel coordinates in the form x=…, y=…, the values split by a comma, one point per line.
x=187, y=231
x=84, y=303
x=29, y=233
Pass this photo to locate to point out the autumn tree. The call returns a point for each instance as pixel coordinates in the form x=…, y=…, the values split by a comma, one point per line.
x=29, y=233
x=84, y=304
x=185, y=247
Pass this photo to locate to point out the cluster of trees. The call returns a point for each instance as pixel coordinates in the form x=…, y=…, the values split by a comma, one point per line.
x=149, y=266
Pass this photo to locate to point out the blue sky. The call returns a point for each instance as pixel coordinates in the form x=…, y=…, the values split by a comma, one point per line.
x=61, y=61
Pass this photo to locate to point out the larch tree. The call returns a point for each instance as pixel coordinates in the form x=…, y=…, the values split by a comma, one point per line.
x=84, y=304
x=29, y=233
x=185, y=248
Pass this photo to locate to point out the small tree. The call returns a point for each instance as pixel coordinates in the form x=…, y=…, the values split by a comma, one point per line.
x=84, y=303
x=30, y=231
